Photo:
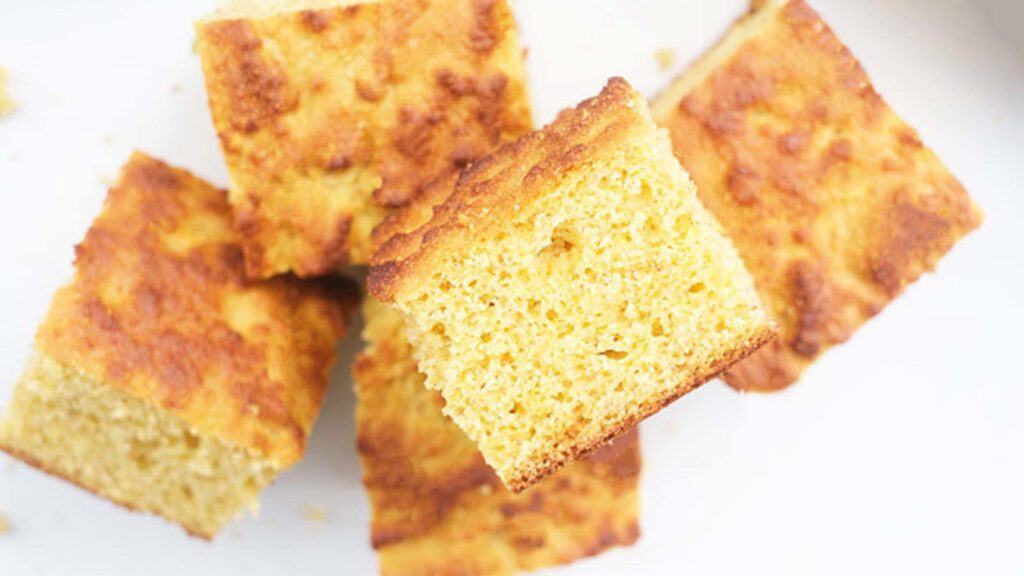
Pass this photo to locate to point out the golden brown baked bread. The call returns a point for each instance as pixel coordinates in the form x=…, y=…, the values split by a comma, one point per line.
x=331, y=113
x=439, y=509
x=163, y=381
x=832, y=201
x=570, y=285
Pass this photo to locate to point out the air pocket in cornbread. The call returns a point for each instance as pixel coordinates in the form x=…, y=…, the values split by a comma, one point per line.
x=161, y=380
x=439, y=509
x=570, y=285
x=833, y=202
x=330, y=113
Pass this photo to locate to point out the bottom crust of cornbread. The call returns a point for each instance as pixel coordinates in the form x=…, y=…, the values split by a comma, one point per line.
x=439, y=509
x=120, y=448
x=721, y=366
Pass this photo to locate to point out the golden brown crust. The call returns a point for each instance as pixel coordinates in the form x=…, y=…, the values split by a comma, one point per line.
x=160, y=309
x=438, y=509
x=831, y=199
x=318, y=157
x=505, y=180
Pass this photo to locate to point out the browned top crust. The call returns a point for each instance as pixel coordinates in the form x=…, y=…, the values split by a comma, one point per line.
x=439, y=509
x=328, y=118
x=832, y=200
x=502, y=182
x=159, y=309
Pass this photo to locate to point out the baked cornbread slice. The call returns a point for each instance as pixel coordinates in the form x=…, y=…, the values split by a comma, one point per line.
x=832, y=201
x=330, y=113
x=438, y=509
x=570, y=285
x=160, y=379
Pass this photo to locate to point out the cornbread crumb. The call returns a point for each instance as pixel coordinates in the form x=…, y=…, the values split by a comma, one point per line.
x=436, y=506
x=570, y=285
x=5, y=526
x=314, y=515
x=7, y=105
x=150, y=361
x=351, y=108
x=833, y=201
x=666, y=58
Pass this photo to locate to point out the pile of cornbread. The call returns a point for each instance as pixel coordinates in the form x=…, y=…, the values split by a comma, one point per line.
x=531, y=294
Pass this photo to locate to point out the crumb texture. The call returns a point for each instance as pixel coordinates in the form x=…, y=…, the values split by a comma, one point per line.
x=570, y=285
x=331, y=114
x=834, y=203
x=139, y=456
x=439, y=509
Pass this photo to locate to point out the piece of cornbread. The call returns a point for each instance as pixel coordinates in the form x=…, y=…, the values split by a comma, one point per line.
x=570, y=285
x=6, y=104
x=330, y=113
x=439, y=509
x=833, y=202
x=161, y=380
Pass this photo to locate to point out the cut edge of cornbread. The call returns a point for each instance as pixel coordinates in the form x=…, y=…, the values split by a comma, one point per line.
x=72, y=426
x=522, y=198
x=438, y=508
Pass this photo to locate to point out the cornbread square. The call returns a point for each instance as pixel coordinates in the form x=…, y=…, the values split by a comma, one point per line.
x=439, y=509
x=570, y=285
x=161, y=380
x=833, y=202
x=331, y=113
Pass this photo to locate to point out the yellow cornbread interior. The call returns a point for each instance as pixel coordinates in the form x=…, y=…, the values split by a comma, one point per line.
x=128, y=451
x=570, y=318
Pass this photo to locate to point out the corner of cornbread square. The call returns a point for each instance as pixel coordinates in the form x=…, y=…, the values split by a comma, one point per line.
x=569, y=286
x=832, y=200
x=331, y=113
x=439, y=509
x=161, y=380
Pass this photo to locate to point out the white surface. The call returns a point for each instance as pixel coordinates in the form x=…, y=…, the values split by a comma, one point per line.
x=900, y=452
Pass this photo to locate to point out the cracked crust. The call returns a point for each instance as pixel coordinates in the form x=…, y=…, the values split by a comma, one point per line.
x=330, y=117
x=438, y=508
x=834, y=203
x=160, y=309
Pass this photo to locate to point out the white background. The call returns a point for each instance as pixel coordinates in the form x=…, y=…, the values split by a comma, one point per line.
x=900, y=452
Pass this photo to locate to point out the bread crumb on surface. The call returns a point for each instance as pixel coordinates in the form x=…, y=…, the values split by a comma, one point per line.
x=6, y=104
x=666, y=58
x=5, y=527
x=314, y=515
